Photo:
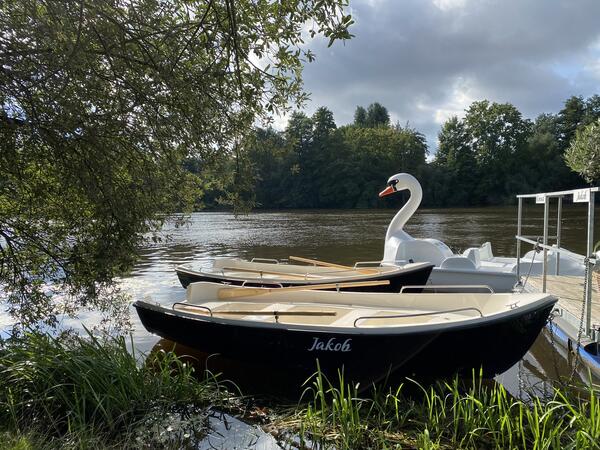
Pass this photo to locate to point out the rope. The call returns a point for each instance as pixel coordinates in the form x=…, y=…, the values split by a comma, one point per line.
x=553, y=344
x=581, y=318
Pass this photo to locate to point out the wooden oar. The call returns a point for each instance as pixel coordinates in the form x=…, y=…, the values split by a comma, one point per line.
x=226, y=293
x=316, y=262
x=271, y=272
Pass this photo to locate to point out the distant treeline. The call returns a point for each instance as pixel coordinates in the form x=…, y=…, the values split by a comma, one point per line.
x=484, y=158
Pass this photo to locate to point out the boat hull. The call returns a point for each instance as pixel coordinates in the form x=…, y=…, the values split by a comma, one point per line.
x=408, y=277
x=492, y=347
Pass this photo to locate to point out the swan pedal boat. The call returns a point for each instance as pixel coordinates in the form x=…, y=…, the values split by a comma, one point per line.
x=371, y=335
x=476, y=265
x=264, y=272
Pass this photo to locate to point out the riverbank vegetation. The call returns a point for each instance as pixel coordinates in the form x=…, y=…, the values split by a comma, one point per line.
x=485, y=158
x=100, y=105
x=447, y=415
x=90, y=392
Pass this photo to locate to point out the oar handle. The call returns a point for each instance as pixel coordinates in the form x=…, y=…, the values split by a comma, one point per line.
x=316, y=262
x=269, y=272
x=319, y=263
x=235, y=292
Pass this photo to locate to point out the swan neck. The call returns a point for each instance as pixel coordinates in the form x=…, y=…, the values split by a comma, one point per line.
x=405, y=213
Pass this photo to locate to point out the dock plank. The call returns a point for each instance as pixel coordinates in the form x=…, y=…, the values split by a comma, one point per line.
x=569, y=290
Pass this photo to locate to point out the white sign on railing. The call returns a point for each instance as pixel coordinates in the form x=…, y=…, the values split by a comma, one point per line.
x=540, y=198
x=581, y=196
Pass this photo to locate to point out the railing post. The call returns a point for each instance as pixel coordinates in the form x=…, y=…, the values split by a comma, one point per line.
x=545, y=262
x=590, y=249
x=558, y=231
x=519, y=215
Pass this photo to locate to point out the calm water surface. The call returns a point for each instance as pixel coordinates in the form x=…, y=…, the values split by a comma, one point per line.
x=343, y=236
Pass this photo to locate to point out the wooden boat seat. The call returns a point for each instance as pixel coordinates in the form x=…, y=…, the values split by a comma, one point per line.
x=329, y=313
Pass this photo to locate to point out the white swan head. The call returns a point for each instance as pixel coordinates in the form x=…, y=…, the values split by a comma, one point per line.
x=401, y=182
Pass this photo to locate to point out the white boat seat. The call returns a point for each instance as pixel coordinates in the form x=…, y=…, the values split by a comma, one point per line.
x=485, y=251
x=474, y=255
x=458, y=263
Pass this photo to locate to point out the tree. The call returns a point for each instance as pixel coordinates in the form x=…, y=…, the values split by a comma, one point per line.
x=457, y=159
x=101, y=102
x=497, y=135
x=374, y=155
x=583, y=155
x=360, y=117
x=542, y=165
x=299, y=132
x=592, y=109
x=323, y=123
x=570, y=118
x=377, y=115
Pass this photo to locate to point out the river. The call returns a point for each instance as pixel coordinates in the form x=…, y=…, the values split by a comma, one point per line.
x=343, y=236
x=346, y=236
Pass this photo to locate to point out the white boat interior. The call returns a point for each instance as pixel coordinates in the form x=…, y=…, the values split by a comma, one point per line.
x=354, y=311
x=476, y=265
x=259, y=269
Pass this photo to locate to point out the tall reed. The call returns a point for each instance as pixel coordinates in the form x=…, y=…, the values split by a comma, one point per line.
x=85, y=385
x=450, y=414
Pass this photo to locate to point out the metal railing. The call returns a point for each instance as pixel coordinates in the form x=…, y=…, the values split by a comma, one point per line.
x=432, y=313
x=261, y=282
x=265, y=260
x=435, y=287
x=586, y=195
x=191, y=305
x=360, y=264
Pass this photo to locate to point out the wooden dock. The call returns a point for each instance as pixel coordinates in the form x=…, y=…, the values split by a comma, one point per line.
x=569, y=290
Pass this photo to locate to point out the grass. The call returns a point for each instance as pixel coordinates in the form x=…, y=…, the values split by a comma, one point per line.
x=445, y=415
x=86, y=392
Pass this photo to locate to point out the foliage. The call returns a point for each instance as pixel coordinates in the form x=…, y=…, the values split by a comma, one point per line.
x=576, y=113
x=484, y=158
x=360, y=116
x=89, y=392
x=376, y=115
x=315, y=164
x=102, y=103
x=86, y=388
x=450, y=415
x=494, y=153
x=457, y=158
x=583, y=155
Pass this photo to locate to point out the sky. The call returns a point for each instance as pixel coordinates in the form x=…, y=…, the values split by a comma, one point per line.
x=427, y=60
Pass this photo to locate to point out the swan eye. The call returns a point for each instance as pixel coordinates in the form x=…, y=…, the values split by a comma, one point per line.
x=393, y=184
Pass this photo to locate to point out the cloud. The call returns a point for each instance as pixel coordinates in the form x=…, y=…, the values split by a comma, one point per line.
x=428, y=60
x=446, y=5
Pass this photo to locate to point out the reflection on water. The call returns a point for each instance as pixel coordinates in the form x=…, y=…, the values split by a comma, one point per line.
x=344, y=236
